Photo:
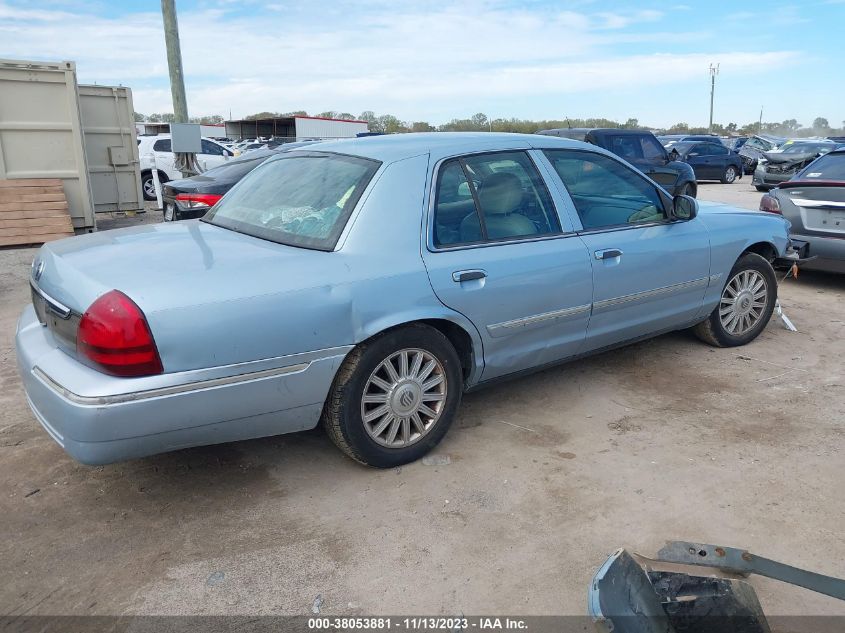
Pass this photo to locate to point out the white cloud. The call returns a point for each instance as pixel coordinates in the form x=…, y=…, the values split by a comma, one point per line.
x=429, y=62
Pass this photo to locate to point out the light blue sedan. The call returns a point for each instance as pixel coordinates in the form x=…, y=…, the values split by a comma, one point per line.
x=368, y=284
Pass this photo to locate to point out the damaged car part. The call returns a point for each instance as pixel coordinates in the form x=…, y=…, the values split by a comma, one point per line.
x=691, y=587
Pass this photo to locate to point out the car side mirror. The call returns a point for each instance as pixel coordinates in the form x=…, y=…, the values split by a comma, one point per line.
x=684, y=208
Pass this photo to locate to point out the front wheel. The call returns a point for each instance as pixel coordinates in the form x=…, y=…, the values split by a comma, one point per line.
x=687, y=189
x=761, y=188
x=745, y=306
x=394, y=397
x=730, y=175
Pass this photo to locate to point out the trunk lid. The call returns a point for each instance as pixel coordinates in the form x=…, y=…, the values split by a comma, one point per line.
x=169, y=265
x=820, y=205
x=201, y=288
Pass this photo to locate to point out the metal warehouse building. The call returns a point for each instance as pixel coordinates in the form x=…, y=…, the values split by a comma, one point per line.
x=208, y=130
x=295, y=128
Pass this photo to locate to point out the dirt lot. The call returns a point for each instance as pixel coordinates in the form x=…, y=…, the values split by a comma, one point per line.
x=546, y=475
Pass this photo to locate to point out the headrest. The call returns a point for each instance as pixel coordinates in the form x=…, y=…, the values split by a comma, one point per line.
x=500, y=193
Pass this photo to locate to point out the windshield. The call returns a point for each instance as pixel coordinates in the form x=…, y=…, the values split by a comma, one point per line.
x=303, y=199
x=828, y=167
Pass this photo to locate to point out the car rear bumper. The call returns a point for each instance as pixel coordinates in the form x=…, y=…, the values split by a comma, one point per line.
x=124, y=419
x=765, y=178
x=827, y=253
x=173, y=212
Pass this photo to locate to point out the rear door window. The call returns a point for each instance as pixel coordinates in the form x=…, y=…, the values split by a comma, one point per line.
x=211, y=148
x=653, y=152
x=162, y=145
x=828, y=167
x=627, y=146
x=490, y=197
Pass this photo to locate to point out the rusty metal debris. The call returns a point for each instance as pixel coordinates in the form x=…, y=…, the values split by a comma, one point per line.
x=691, y=587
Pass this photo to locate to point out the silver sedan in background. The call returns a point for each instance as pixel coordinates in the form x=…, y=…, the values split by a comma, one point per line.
x=814, y=203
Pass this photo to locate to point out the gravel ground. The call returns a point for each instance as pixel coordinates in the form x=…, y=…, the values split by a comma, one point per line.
x=538, y=481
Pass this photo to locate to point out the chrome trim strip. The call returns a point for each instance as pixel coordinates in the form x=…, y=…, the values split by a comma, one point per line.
x=133, y=396
x=56, y=306
x=648, y=294
x=810, y=204
x=537, y=318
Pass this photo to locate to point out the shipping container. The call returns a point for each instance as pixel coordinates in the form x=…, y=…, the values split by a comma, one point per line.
x=41, y=131
x=111, y=148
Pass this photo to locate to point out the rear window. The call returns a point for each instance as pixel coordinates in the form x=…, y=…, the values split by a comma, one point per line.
x=828, y=167
x=806, y=148
x=300, y=200
x=236, y=170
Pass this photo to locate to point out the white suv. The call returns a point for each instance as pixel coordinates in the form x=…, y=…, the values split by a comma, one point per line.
x=213, y=154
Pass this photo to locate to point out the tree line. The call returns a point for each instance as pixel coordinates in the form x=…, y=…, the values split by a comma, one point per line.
x=480, y=122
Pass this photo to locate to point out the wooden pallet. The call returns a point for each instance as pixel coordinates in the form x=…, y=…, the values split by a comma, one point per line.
x=33, y=211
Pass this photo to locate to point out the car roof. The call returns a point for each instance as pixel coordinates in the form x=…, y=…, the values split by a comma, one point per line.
x=393, y=147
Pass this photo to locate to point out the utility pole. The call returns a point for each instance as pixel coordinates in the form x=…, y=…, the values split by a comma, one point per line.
x=174, y=61
x=714, y=70
x=760, y=124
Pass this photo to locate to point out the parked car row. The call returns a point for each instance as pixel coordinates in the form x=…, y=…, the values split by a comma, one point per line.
x=158, y=150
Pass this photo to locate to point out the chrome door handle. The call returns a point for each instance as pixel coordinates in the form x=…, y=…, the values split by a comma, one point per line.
x=468, y=275
x=608, y=253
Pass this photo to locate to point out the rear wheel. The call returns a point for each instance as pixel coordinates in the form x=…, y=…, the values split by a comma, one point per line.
x=395, y=396
x=148, y=187
x=745, y=306
x=730, y=175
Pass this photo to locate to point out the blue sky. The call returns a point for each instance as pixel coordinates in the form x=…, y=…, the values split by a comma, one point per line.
x=434, y=61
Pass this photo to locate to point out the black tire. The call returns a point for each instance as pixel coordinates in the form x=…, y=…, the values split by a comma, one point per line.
x=342, y=415
x=687, y=189
x=713, y=331
x=148, y=184
x=761, y=187
x=730, y=175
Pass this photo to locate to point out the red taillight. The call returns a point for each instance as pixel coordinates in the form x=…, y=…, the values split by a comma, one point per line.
x=114, y=337
x=770, y=204
x=195, y=200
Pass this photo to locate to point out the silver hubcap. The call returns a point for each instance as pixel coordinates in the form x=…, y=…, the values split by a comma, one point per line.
x=730, y=175
x=743, y=302
x=403, y=398
x=149, y=187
